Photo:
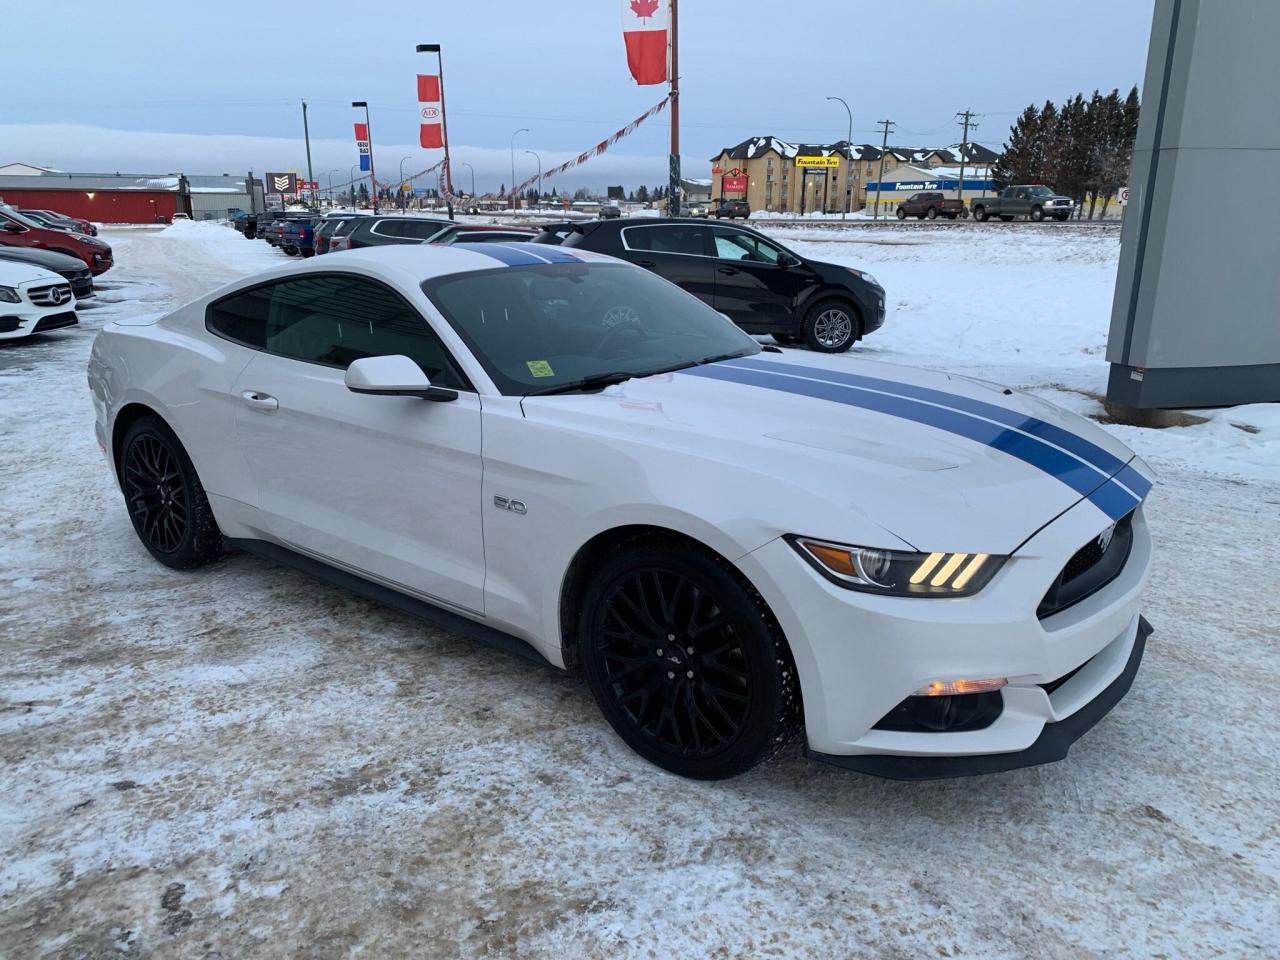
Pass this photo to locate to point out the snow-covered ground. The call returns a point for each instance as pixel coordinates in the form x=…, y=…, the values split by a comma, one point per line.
x=243, y=762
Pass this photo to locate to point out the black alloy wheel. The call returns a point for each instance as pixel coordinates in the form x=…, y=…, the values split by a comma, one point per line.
x=167, y=504
x=683, y=664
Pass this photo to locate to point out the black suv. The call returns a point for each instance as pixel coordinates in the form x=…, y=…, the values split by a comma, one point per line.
x=377, y=230
x=731, y=209
x=754, y=281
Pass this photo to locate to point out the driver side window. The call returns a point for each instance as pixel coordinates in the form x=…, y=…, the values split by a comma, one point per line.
x=736, y=245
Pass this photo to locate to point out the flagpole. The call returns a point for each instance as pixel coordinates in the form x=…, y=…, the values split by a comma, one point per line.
x=444, y=124
x=673, y=185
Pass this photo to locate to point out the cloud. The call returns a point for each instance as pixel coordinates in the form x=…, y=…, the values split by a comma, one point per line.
x=90, y=149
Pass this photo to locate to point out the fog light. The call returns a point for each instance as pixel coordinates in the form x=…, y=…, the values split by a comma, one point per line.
x=951, y=688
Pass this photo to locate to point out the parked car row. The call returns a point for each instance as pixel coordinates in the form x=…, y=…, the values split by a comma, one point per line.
x=298, y=233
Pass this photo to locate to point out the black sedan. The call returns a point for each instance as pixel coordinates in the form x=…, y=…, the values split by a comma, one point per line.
x=71, y=269
x=754, y=281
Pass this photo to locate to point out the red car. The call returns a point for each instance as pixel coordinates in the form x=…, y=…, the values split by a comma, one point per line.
x=60, y=221
x=19, y=231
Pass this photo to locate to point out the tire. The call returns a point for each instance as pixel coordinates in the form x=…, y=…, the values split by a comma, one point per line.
x=825, y=332
x=1062, y=217
x=931, y=213
x=980, y=214
x=902, y=214
x=165, y=499
x=708, y=714
x=1036, y=214
x=289, y=250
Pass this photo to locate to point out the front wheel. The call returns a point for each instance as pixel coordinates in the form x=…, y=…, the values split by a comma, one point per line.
x=167, y=504
x=685, y=662
x=830, y=327
x=902, y=214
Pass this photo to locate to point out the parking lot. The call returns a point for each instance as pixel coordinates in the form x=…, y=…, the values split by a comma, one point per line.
x=243, y=761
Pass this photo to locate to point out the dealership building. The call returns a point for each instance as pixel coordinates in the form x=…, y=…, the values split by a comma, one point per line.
x=128, y=197
x=776, y=176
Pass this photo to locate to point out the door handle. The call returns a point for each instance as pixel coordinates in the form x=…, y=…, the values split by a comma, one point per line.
x=259, y=400
x=727, y=271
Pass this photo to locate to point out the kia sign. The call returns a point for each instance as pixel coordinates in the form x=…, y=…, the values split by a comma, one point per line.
x=282, y=183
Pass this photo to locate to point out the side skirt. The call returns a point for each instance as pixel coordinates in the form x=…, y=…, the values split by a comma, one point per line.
x=420, y=609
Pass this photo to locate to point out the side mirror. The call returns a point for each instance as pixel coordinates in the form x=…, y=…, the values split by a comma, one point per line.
x=393, y=376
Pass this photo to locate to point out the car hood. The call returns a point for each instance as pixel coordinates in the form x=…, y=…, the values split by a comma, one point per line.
x=14, y=274
x=941, y=462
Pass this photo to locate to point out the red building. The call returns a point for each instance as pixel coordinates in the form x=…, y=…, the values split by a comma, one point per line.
x=102, y=198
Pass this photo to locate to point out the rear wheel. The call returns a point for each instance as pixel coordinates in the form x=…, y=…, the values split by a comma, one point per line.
x=685, y=661
x=830, y=327
x=931, y=213
x=1037, y=214
x=980, y=214
x=167, y=504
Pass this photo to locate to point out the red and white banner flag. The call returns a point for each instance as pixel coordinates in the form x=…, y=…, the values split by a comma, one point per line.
x=431, y=134
x=644, y=28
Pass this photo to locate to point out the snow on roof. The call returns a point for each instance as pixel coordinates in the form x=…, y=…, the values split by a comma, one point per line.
x=92, y=182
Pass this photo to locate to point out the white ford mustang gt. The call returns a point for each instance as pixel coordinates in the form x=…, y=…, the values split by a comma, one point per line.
x=564, y=454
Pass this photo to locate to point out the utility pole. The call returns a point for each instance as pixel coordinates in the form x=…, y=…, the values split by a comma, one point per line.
x=673, y=182
x=306, y=134
x=848, y=190
x=887, y=125
x=967, y=121
x=373, y=177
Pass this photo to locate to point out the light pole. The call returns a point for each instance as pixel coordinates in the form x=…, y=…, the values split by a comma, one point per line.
x=513, y=164
x=539, y=159
x=473, y=177
x=848, y=144
x=402, y=190
x=331, y=173
x=368, y=128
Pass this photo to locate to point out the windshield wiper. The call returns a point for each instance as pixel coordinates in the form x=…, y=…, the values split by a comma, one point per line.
x=597, y=382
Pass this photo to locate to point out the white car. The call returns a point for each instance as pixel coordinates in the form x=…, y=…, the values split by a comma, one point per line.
x=33, y=300
x=931, y=575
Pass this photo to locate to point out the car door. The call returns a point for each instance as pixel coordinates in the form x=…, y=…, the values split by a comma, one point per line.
x=388, y=487
x=757, y=284
x=679, y=252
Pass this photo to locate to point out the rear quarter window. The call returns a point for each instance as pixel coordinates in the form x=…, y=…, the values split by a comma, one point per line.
x=241, y=317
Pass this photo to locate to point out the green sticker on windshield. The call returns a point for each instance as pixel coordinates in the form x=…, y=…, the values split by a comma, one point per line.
x=540, y=368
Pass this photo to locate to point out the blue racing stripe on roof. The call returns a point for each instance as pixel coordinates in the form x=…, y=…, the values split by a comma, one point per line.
x=1107, y=463
x=505, y=253
x=546, y=251
x=1085, y=480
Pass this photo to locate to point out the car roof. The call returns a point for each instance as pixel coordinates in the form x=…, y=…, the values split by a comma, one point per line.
x=418, y=262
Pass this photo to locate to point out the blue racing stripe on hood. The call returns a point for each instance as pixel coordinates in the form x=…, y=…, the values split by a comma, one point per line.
x=1107, y=463
x=1084, y=478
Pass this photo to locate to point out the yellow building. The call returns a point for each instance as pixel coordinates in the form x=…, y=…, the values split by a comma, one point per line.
x=775, y=176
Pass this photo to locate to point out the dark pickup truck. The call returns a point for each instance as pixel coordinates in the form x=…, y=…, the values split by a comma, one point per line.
x=1033, y=201
x=931, y=205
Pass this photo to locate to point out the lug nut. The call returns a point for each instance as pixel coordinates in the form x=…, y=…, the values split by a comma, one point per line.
x=671, y=636
x=689, y=649
x=689, y=674
x=670, y=675
x=658, y=651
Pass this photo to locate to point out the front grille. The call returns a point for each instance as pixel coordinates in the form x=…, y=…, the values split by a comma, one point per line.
x=53, y=295
x=1089, y=570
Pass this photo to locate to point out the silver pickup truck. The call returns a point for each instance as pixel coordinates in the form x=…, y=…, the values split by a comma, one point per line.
x=1033, y=201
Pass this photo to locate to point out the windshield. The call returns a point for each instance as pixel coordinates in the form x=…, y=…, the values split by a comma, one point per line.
x=13, y=214
x=1041, y=192
x=539, y=327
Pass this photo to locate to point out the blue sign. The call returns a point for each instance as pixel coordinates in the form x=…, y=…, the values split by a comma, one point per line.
x=922, y=184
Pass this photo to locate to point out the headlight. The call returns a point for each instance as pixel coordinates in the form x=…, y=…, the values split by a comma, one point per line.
x=9, y=295
x=862, y=274
x=899, y=573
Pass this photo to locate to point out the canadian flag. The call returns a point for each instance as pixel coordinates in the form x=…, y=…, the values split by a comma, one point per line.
x=644, y=28
x=429, y=107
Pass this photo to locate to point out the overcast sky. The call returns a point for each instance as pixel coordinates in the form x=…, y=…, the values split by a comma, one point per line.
x=143, y=86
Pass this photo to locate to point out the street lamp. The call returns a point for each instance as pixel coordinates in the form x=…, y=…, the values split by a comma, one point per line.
x=368, y=128
x=848, y=190
x=402, y=190
x=513, y=164
x=331, y=173
x=539, y=159
x=473, y=177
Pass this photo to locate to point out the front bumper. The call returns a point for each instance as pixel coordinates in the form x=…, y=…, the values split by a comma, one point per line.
x=859, y=656
x=1053, y=743
x=23, y=323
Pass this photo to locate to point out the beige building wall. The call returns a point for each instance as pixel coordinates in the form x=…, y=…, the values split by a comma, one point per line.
x=775, y=183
